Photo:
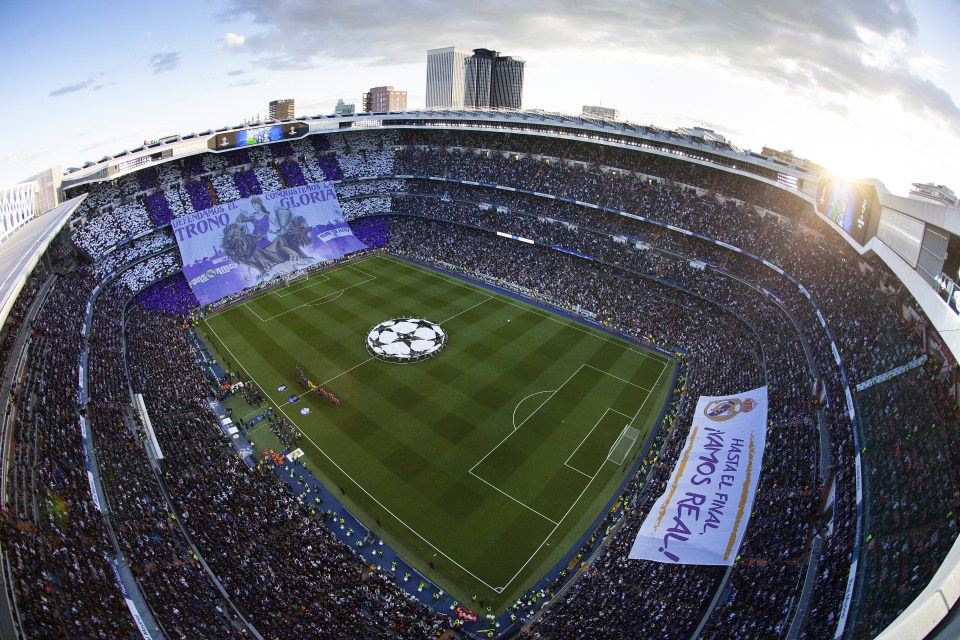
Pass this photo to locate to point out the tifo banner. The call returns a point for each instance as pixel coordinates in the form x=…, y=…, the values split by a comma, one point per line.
x=702, y=514
x=240, y=244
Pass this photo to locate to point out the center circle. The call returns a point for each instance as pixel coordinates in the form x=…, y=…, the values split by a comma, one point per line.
x=405, y=340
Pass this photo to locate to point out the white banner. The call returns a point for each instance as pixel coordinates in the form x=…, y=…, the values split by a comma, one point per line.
x=702, y=514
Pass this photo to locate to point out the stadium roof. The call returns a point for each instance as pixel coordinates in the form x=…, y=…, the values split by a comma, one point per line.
x=22, y=251
x=650, y=137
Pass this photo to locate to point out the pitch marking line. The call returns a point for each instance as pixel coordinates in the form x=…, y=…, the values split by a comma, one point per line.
x=575, y=502
x=403, y=263
x=354, y=267
x=253, y=311
x=323, y=384
x=525, y=506
x=553, y=531
x=552, y=393
x=566, y=462
x=362, y=488
x=465, y=310
x=321, y=299
x=537, y=551
x=637, y=414
x=300, y=284
x=535, y=393
x=346, y=372
x=572, y=505
x=274, y=291
x=607, y=373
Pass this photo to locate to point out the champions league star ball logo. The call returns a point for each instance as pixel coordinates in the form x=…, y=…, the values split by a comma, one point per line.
x=721, y=410
x=405, y=340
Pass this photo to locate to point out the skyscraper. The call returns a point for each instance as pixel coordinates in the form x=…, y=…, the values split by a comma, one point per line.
x=281, y=109
x=445, y=77
x=384, y=99
x=492, y=80
x=506, y=90
x=478, y=73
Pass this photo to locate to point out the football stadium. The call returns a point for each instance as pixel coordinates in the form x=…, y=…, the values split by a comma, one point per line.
x=477, y=374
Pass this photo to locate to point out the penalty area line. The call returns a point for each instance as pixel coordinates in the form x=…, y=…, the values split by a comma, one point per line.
x=535, y=393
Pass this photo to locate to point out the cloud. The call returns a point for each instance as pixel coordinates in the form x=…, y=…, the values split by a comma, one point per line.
x=829, y=50
x=236, y=72
x=168, y=61
x=72, y=88
x=231, y=41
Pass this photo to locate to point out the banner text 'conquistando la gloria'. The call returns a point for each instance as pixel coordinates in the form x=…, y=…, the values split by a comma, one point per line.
x=240, y=244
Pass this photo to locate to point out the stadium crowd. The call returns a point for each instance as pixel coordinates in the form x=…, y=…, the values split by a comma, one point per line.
x=735, y=323
x=640, y=307
x=273, y=553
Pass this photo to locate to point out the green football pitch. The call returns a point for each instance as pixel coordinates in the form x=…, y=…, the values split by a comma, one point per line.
x=483, y=465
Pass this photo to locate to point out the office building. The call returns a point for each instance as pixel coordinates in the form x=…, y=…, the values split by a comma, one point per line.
x=380, y=99
x=506, y=88
x=344, y=109
x=590, y=111
x=445, y=77
x=281, y=109
x=493, y=81
x=478, y=72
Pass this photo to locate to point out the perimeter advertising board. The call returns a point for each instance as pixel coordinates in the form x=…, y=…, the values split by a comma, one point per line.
x=703, y=513
x=240, y=244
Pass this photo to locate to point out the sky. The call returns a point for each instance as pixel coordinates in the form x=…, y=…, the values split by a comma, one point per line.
x=866, y=88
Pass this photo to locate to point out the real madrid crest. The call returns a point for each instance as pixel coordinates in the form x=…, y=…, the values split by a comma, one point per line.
x=726, y=408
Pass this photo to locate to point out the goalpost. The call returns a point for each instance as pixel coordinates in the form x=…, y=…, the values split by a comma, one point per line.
x=622, y=445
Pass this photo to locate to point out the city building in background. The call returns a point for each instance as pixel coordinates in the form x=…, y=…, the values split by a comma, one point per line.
x=506, y=91
x=345, y=109
x=590, y=111
x=478, y=72
x=445, y=77
x=790, y=157
x=935, y=193
x=707, y=135
x=282, y=109
x=493, y=81
x=380, y=99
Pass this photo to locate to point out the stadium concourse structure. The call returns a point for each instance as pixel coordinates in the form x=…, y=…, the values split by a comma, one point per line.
x=833, y=294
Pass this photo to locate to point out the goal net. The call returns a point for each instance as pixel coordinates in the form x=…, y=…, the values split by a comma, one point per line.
x=623, y=444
